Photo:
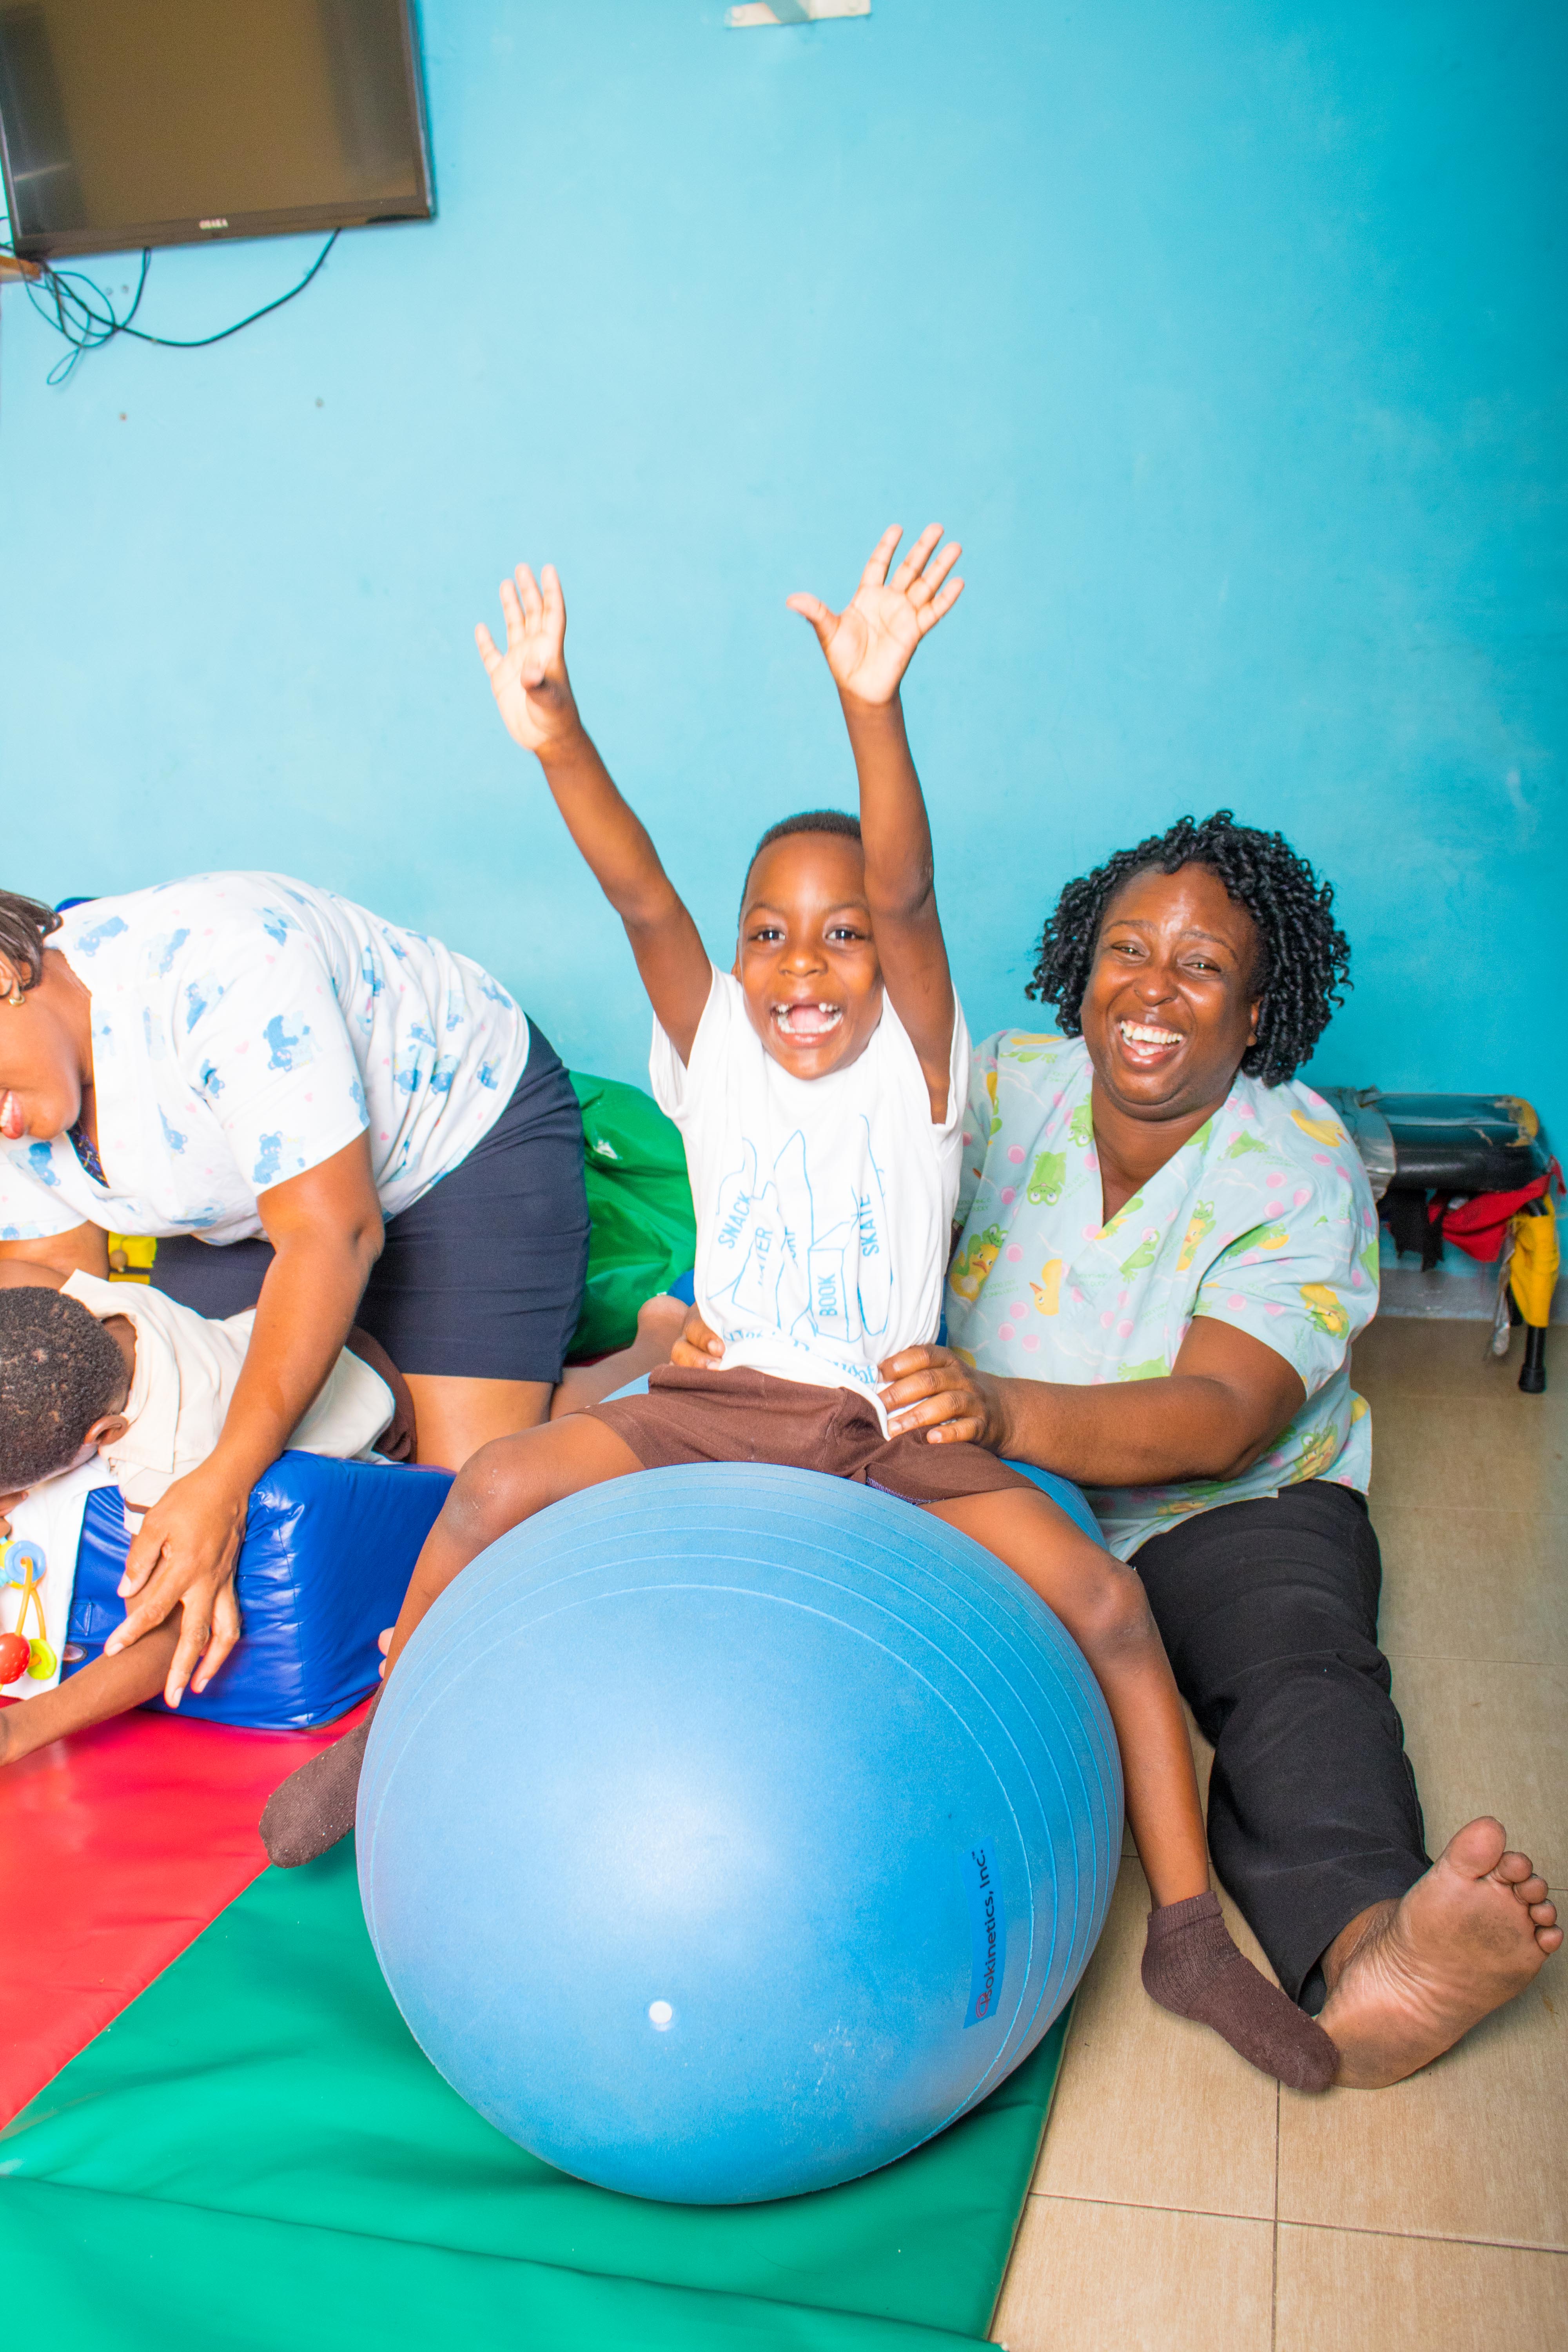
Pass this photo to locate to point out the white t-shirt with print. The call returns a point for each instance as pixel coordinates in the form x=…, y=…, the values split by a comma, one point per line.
x=824, y=1205
x=245, y=1028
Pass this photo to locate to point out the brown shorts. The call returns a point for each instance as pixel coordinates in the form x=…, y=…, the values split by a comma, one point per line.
x=747, y=1416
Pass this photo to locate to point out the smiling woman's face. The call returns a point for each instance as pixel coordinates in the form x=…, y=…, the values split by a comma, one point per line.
x=1171, y=1003
x=40, y=1057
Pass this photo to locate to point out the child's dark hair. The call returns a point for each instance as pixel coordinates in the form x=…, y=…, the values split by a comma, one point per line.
x=59, y=1371
x=838, y=821
x=1303, y=957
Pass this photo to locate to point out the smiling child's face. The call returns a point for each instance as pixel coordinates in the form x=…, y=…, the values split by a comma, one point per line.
x=806, y=959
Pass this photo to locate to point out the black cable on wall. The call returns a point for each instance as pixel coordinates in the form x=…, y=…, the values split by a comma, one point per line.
x=78, y=308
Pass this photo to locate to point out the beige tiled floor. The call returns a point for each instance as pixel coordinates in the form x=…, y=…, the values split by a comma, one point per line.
x=1181, y=2201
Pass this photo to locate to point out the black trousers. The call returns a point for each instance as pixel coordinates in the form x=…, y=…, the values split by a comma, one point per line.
x=1268, y=1611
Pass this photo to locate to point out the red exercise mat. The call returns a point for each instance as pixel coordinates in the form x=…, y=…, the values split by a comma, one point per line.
x=117, y=1847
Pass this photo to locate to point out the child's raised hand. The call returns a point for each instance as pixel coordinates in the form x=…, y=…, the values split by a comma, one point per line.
x=528, y=680
x=869, y=643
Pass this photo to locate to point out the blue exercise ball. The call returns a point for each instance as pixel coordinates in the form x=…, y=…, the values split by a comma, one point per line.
x=727, y=1831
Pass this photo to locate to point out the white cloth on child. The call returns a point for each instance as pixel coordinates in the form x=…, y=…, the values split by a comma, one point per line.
x=824, y=1205
x=49, y=1517
x=187, y=1367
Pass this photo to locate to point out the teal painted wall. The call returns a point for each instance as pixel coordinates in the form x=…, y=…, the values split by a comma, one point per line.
x=1228, y=337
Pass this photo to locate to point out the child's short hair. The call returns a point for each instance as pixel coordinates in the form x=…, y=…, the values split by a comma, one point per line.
x=838, y=821
x=59, y=1371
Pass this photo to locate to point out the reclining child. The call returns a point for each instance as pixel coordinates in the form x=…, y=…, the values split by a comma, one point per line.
x=121, y=1371
x=820, y=1088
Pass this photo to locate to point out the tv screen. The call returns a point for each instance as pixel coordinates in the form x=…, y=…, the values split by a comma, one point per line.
x=137, y=122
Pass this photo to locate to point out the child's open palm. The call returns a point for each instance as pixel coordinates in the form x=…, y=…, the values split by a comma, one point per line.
x=869, y=643
x=528, y=680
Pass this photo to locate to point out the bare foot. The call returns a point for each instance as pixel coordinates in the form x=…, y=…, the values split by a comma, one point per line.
x=1416, y=1975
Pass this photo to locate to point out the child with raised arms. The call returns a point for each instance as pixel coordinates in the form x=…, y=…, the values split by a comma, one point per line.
x=819, y=1085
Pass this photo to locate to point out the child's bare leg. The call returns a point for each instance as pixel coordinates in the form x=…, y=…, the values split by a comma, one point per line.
x=504, y=1483
x=106, y=1688
x=1190, y=1963
x=1102, y=1605
x=501, y=1485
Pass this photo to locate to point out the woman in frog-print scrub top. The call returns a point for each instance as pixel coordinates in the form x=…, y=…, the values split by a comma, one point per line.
x=1168, y=1245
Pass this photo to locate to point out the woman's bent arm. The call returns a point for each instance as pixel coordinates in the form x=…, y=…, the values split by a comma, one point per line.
x=326, y=1233
x=1224, y=1402
x=83, y=1250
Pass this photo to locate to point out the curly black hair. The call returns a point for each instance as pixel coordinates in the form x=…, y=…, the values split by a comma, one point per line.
x=59, y=1371
x=1304, y=958
x=837, y=821
x=24, y=925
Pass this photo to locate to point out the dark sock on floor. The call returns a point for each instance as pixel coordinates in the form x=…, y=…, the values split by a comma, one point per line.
x=1192, y=1966
x=314, y=1807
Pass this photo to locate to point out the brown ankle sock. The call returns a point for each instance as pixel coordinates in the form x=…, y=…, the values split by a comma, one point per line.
x=1190, y=1966
x=314, y=1807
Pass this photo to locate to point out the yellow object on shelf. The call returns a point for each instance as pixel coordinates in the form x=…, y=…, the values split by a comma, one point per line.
x=131, y=1257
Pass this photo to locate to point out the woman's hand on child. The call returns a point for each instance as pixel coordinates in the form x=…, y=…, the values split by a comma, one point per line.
x=185, y=1553
x=868, y=645
x=931, y=1391
x=528, y=680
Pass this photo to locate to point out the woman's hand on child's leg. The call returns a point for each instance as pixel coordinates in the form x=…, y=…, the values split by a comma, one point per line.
x=934, y=1392
x=528, y=680
x=869, y=645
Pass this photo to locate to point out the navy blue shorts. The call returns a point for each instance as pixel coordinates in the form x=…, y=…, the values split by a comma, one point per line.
x=482, y=1278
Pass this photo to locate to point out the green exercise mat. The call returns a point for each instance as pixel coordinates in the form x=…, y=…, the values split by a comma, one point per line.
x=256, y=2155
x=643, y=1232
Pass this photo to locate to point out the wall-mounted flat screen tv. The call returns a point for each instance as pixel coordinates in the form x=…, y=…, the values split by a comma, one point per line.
x=137, y=122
